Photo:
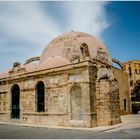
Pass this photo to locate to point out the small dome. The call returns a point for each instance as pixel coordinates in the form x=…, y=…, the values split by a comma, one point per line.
x=4, y=74
x=68, y=45
x=54, y=61
x=30, y=67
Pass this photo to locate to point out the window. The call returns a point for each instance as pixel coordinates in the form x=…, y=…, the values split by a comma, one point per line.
x=40, y=97
x=125, y=105
x=130, y=72
x=84, y=50
x=136, y=71
x=131, y=83
x=124, y=67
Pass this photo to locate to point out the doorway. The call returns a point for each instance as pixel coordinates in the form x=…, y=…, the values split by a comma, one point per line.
x=15, y=102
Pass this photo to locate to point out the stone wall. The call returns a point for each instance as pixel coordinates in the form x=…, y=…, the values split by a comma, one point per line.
x=124, y=93
x=4, y=101
x=75, y=95
x=107, y=103
x=107, y=97
x=63, y=87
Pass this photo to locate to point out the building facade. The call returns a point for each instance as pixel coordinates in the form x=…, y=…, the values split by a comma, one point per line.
x=74, y=84
x=132, y=67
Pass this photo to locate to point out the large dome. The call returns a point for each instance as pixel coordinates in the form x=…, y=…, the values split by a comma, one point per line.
x=71, y=45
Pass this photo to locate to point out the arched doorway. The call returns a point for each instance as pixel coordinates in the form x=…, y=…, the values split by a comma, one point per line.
x=40, y=97
x=15, y=102
x=76, y=103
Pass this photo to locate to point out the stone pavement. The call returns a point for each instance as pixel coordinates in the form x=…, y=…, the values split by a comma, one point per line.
x=128, y=129
x=126, y=119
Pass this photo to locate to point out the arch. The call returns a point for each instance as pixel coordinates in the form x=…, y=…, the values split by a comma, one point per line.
x=117, y=62
x=76, y=103
x=15, y=102
x=40, y=97
x=37, y=58
x=84, y=50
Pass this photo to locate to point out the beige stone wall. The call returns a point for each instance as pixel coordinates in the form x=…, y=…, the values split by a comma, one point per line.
x=89, y=117
x=72, y=97
x=92, y=79
x=124, y=92
x=107, y=100
x=58, y=83
x=4, y=101
x=114, y=102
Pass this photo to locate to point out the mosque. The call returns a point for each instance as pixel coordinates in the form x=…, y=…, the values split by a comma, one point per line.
x=74, y=84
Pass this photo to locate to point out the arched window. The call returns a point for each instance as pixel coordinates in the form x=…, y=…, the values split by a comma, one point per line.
x=84, y=50
x=40, y=97
x=76, y=103
x=15, y=102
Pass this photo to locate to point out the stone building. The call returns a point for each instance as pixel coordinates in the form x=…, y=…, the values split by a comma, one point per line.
x=132, y=67
x=73, y=84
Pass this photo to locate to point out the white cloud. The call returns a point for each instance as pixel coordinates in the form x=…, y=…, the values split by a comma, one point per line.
x=28, y=22
x=87, y=16
x=25, y=30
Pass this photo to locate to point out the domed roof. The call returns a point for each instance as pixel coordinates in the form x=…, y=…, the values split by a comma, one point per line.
x=30, y=67
x=54, y=61
x=4, y=74
x=69, y=45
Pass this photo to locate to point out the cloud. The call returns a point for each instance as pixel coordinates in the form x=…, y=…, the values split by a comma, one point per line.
x=26, y=27
x=25, y=30
x=87, y=16
x=26, y=21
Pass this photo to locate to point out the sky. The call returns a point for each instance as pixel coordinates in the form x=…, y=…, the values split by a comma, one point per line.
x=27, y=27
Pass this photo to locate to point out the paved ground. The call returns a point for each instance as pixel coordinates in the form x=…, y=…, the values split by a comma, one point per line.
x=129, y=128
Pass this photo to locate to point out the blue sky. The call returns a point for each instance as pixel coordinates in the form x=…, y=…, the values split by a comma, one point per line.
x=27, y=27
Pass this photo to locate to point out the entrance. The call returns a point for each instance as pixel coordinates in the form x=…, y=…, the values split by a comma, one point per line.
x=15, y=105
